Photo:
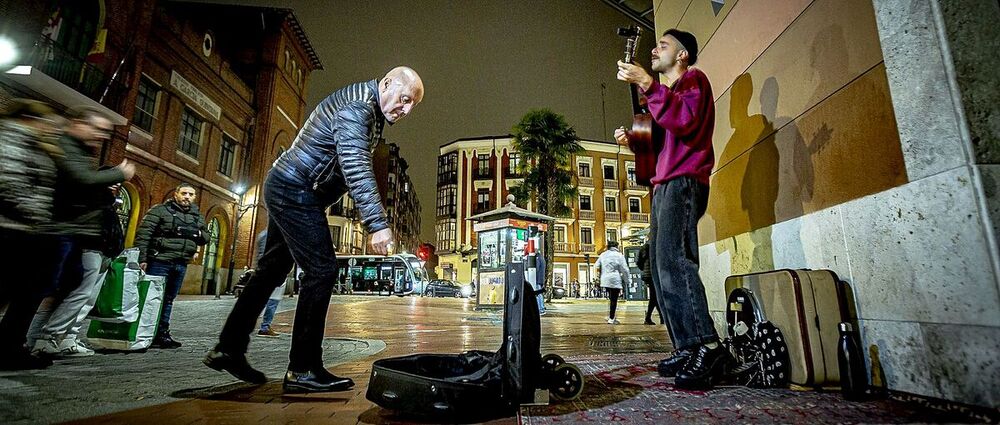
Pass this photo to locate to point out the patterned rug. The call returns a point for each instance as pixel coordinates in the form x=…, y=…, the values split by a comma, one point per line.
x=626, y=388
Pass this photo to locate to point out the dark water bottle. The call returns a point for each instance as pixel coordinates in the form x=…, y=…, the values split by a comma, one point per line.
x=853, y=376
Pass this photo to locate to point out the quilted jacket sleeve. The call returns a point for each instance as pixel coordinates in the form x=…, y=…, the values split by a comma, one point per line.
x=355, y=156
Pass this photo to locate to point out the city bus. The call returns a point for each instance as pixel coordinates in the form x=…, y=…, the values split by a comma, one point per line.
x=398, y=274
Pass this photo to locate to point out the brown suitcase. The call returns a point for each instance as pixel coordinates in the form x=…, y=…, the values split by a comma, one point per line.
x=807, y=305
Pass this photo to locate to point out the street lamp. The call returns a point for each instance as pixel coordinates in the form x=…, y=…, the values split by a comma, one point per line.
x=238, y=210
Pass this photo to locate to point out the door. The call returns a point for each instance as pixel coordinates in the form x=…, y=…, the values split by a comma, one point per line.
x=210, y=260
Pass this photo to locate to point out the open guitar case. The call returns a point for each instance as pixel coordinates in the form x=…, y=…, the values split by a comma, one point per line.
x=480, y=384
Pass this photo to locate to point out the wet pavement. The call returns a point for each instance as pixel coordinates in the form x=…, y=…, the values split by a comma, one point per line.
x=174, y=387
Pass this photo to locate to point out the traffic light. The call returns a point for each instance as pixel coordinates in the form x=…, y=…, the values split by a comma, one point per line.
x=424, y=252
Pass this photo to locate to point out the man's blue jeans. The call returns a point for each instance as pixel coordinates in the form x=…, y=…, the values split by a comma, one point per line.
x=673, y=235
x=272, y=306
x=297, y=232
x=174, y=279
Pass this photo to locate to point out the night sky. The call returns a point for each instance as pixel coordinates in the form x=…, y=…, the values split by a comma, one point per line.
x=484, y=64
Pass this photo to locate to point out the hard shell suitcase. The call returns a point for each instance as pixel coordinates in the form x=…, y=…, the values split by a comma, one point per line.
x=807, y=305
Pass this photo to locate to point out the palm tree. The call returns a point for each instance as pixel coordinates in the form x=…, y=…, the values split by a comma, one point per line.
x=547, y=145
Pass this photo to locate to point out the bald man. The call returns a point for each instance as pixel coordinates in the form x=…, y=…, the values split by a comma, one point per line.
x=331, y=156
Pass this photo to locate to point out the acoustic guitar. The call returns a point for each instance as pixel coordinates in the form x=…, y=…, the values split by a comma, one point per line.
x=645, y=137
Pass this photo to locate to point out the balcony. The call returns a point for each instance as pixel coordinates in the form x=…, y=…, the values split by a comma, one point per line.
x=563, y=247
x=587, y=215
x=638, y=217
x=631, y=185
x=587, y=181
x=612, y=216
x=610, y=184
x=587, y=248
x=76, y=73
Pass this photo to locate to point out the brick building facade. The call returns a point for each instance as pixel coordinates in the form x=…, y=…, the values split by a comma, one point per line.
x=197, y=99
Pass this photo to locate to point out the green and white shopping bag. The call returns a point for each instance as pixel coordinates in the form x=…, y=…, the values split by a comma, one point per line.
x=136, y=335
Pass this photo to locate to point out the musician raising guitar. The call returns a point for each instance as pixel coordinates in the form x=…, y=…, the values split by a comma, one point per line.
x=685, y=109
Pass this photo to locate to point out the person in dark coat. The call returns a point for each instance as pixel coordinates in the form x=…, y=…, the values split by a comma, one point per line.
x=331, y=156
x=642, y=260
x=168, y=238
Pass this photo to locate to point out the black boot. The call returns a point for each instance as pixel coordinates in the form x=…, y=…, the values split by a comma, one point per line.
x=236, y=364
x=315, y=381
x=165, y=341
x=706, y=367
x=648, y=322
x=669, y=366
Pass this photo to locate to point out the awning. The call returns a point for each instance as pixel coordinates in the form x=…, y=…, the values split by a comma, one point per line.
x=56, y=92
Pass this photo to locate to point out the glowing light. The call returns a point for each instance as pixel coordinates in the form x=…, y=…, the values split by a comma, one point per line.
x=8, y=51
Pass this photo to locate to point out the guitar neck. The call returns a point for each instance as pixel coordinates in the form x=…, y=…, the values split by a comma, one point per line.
x=638, y=106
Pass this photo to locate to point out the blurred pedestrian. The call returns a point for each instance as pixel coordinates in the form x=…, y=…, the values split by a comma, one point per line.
x=274, y=300
x=642, y=261
x=28, y=253
x=613, y=270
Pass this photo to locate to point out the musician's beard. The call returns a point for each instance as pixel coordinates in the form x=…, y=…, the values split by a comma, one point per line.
x=662, y=65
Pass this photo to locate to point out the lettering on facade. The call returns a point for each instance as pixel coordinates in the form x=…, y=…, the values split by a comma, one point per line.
x=196, y=96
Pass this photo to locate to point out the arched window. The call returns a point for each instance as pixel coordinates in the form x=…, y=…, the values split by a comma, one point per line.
x=124, y=209
x=211, y=258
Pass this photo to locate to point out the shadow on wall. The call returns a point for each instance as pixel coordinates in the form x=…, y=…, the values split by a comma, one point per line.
x=778, y=178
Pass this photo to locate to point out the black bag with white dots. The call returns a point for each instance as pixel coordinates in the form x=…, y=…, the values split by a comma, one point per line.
x=757, y=344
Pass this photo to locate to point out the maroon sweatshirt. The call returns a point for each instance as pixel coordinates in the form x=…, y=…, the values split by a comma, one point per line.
x=687, y=112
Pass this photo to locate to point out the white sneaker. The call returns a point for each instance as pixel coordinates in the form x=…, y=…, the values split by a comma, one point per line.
x=612, y=321
x=73, y=348
x=45, y=346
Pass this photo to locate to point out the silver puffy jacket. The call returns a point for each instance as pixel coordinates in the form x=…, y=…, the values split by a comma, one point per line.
x=332, y=153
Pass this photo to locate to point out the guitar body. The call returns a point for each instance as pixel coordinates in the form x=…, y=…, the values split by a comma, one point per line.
x=645, y=141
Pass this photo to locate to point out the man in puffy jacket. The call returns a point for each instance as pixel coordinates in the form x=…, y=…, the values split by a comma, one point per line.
x=331, y=156
x=168, y=238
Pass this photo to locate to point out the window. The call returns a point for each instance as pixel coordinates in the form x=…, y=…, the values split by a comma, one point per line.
x=631, y=175
x=611, y=234
x=335, y=235
x=559, y=234
x=483, y=167
x=448, y=169
x=227, y=155
x=585, y=203
x=609, y=172
x=513, y=164
x=124, y=209
x=610, y=204
x=482, y=200
x=190, y=140
x=584, y=169
x=446, y=200
x=586, y=235
x=445, y=231
x=145, y=105
x=633, y=205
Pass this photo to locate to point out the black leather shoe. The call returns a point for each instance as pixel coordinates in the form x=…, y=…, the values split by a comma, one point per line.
x=706, y=367
x=648, y=322
x=236, y=365
x=669, y=366
x=165, y=341
x=318, y=381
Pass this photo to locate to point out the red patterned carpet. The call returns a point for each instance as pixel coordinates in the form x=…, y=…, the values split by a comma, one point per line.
x=626, y=388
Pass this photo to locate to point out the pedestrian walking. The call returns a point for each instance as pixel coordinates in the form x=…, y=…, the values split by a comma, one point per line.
x=642, y=261
x=28, y=245
x=613, y=270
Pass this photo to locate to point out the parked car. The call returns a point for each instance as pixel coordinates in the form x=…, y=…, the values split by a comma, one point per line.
x=558, y=293
x=443, y=288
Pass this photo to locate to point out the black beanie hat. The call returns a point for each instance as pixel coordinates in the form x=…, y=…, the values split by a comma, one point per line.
x=688, y=40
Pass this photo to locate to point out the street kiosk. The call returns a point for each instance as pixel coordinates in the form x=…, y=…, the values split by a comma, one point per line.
x=503, y=236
